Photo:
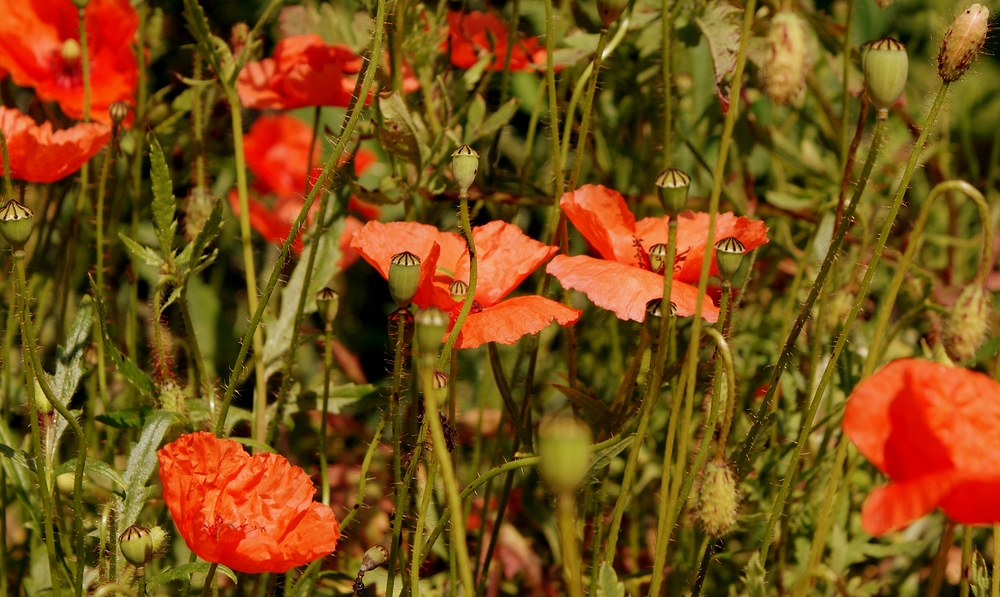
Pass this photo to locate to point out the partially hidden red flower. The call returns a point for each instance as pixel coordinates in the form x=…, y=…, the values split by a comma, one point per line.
x=39, y=154
x=932, y=429
x=40, y=46
x=506, y=257
x=622, y=280
x=251, y=513
x=474, y=34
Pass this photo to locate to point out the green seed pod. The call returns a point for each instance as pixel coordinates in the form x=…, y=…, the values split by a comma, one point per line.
x=962, y=42
x=404, y=277
x=564, y=449
x=81, y=4
x=728, y=256
x=71, y=51
x=886, y=66
x=431, y=323
x=672, y=185
x=788, y=55
x=654, y=316
x=328, y=303
x=66, y=483
x=464, y=166
x=658, y=258
x=375, y=557
x=717, y=499
x=969, y=323
x=459, y=290
x=610, y=10
x=118, y=111
x=136, y=545
x=15, y=223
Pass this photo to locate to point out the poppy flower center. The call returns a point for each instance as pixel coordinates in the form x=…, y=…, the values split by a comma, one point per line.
x=66, y=66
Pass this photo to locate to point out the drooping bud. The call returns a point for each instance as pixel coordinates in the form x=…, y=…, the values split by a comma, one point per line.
x=672, y=186
x=15, y=223
x=717, y=499
x=375, y=557
x=658, y=258
x=459, y=290
x=432, y=323
x=969, y=322
x=564, y=449
x=962, y=42
x=886, y=66
x=404, y=277
x=464, y=166
x=610, y=10
x=71, y=51
x=118, y=112
x=328, y=303
x=136, y=545
x=785, y=73
x=728, y=256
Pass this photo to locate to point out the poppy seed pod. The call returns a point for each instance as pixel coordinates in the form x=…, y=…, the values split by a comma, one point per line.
x=658, y=257
x=328, y=303
x=118, y=111
x=962, y=42
x=610, y=10
x=969, y=321
x=564, y=449
x=71, y=51
x=459, y=290
x=717, y=499
x=439, y=385
x=374, y=558
x=431, y=323
x=404, y=277
x=136, y=544
x=886, y=66
x=728, y=256
x=464, y=166
x=672, y=186
x=81, y=4
x=785, y=73
x=15, y=223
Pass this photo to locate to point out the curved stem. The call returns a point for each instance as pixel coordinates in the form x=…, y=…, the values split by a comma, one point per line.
x=365, y=465
x=463, y=212
x=418, y=532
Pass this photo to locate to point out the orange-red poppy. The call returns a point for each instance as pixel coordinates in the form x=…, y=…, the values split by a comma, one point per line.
x=251, y=513
x=506, y=258
x=474, y=34
x=40, y=46
x=932, y=429
x=39, y=154
x=622, y=280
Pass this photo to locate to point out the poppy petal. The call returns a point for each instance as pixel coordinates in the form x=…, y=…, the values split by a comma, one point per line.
x=277, y=151
x=603, y=218
x=39, y=154
x=506, y=258
x=508, y=321
x=896, y=505
x=625, y=289
x=378, y=242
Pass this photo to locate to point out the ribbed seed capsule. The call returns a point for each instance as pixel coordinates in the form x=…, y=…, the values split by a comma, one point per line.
x=328, y=303
x=118, y=111
x=718, y=499
x=564, y=450
x=728, y=256
x=969, y=323
x=785, y=73
x=432, y=323
x=404, y=277
x=962, y=42
x=136, y=545
x=886, y=66
x=15, y=223
x=464, y=166
x=459, y=290
x=658, y=257
x=672, y=185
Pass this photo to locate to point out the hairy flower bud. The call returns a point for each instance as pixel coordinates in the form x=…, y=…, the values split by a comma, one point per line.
x=962, y=42
x=375, y=556
x=788, y=55
x=15, y=223
x=404, y=277
x=728, y=256
x=564, y=449
x=136, y=545
x=717, y=499
x=464, y=166
x=672, y=186
x=969, y=322
x=886, y=67
x=328, y=303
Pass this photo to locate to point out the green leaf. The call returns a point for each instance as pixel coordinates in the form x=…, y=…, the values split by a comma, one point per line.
x=474, y=119
x=608, y=584
x=500, y=118
x=597, y=412
x=183, y=572
x=603, y=458
x=69, y=365
x=132, y=418
x=753, y=577
x=399, y=132
x=125, y=365
x=208, y=232
x=139, y=468
x=18, y=457
x=197, y=24
x=721, y=24
x=142, y=253
x=93, y=466
x=164, y=204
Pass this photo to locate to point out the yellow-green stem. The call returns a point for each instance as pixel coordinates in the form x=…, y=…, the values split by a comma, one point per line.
x=572, y=564
x=418, y=532
x=665, y=65
x=963, y=583
x=463, y=212
x=557, y=164
x=588, y=104
x=327, y=369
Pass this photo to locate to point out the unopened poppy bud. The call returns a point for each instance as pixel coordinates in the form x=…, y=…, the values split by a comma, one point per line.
x=118, y=111
x=439, y=385
x=375, y=557
x=71, y=51
x=459, y=290
x=404, y=277
x=610, y=10
x=785, y=74
x=969, y=322
x=464, y=166
x=962, y=42
x=158, y=536
x=672, y=186
x=328, y=303
x=564, y=449
x=658, y=257
x=886, y=66
x=717, y=499
x=136, y=545
x=432, y=323
x=15, y=223
x=66, y=483
x=728, y=256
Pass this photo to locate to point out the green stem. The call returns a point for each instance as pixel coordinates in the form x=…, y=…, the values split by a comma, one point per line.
x=963, y=583
x=572, y=564
x=209, y=580
x=666, y=54
x=402, y=487
x=941, y=560
x=995, y=580
x=845, y=96
x=557, y=164
x=463, y=212
x=8, y=186
x=588, y=104
x=824, y=521
x=327, y=369
x=109, y=156
x=359, y=499
x=418, y=532
x=139, y=134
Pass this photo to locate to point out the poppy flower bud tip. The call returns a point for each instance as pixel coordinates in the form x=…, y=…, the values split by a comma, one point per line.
x=672, y=185
x=118, y=111
x=464, y=166
x=136, y=544
x=328, y=303
x=886, y=66
x=728, y=256
x=962, y=42
x=610, y=10
x=404, y=277
x=15, y=223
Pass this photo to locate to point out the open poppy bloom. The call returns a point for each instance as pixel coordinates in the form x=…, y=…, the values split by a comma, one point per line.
x=40, y=46
x=473, y=34
x=622, y=280
x=506, y=258
x=37, y=154
x=251, y=513
x=932, y=429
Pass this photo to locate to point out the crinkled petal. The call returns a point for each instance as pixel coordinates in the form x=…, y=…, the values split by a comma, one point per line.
x=506, y=258
x=603, y=218
x=277, y=151
x=508, y=321
x=896, y=505
x=692, y=232
x=37, y=154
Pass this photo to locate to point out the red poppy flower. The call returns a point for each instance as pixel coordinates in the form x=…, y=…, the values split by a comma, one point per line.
x=251, y=513
x=932, y=429
x=39, y=154
x=622, y=280
x=40, y=46
x=506, y=258
x=473, y=34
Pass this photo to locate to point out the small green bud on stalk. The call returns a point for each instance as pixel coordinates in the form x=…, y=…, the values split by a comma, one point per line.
x=159, y=537
x=610, y=10
x=459, y=290
x=886, y=67
x=328, y=303
x=672, y=185
x=81, y=4
x=788, y=56
x=718, y=499
x=464, y=166
x=432, y=324
x=15, y=223
x=728, y=257
x=653, y=319
x=969, y=323
x=71, y=51
x=404, y=277
x=118, y=112
x=136, y=544
x=374, y=558
x=66, y=483
x=564, y=449
x=962, y=42
x=658, y=258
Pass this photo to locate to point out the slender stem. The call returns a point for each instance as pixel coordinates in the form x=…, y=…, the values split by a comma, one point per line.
x=941, y=560
x=666, y=55
x=557, y=164
x=995, y=579
x=359, y=500
x=327, y=369
x=139, y=134
x=588, y=104
x=845, y=99
x=463, y=212
x=418, y=532
x=963, y=583
x=572, y=564
x=209, y=580
x=109, y=156
x=402, y=487
x=824, y=521
x=85, y=64
x=8, y=187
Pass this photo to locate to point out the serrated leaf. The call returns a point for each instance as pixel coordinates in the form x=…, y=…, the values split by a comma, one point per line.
x=721, y=24
x=139, y=467
x=608, y=584
x=164, y=204
x=208, y=232
x=197, y=24
x=123, y=364
x=184, y=572
x=142, y=253
x=93, y=466
x=132, y=418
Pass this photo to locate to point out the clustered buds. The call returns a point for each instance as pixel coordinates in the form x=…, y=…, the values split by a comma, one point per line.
x=564, y=449
x=785, y=75
x=404, y=277
x=962, y=42
x=328, y=303
x=886, y=66
x=15, y=224
x=464, y=166
x=969, y=322
x=136, y=544
x=717, y=499
x=672, y=186
x=728, y=256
